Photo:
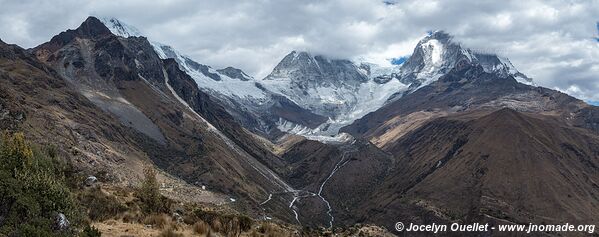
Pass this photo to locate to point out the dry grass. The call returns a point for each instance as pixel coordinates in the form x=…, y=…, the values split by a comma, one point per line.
x=159, y=221
x=100, y=205
x=129, y=217
x=201, y=228
x=170, y=232
x=269, y=229
x=216, y=225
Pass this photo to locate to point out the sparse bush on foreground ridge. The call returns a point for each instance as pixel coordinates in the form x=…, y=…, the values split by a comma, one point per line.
x=34, y=191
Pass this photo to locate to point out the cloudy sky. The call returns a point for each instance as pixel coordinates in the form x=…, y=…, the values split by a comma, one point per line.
x=554, y=42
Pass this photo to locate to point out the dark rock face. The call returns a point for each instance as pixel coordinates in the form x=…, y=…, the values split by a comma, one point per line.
x=41, y=104
x=588, y=118
x=234, y=73
x=99, y=66
x=90, y=28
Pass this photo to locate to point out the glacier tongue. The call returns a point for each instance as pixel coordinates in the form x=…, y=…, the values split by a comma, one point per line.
x=314, y=134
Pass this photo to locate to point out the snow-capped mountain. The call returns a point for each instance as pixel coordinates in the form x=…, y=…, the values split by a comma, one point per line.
x=345, y=91
x=313, y=95
x=437, y=54
x=325, y=86
x=336, y=88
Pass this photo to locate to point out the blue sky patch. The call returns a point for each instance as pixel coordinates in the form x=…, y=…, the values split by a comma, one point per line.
x=595, y=103
x=399, y=61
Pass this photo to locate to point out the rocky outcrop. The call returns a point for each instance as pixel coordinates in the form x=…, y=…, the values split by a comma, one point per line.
x=235, y=73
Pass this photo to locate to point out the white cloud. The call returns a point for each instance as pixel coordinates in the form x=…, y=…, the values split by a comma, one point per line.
x=551, y=41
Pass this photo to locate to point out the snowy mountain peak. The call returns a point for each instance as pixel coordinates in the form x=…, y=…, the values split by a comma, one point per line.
x=334, y=88
x=305, y=68
x=437, y=53
x=119, y=28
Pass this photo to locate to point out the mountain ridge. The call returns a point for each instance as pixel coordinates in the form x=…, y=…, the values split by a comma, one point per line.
x=196, y=140
x=326, y=94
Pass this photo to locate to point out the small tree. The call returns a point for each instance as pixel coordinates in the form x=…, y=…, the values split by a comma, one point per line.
x=15, y=151
x=149, y=192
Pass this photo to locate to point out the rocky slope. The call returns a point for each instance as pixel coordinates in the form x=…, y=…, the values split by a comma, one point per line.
x=189, y=135
x=468, y=107
x=500, y=166
x=35, y=99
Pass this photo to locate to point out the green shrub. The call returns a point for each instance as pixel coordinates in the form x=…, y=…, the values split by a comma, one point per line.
x=33, y=190
x=149, y=193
